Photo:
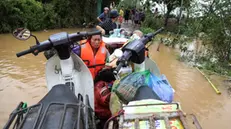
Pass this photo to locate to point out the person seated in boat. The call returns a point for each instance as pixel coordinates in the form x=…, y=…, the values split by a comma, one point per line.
x=95, y=55
x=93, y=52
x=109, y=24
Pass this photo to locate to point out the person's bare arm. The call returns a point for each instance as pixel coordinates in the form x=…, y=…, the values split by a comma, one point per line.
x=99, y=19
x=101, y=29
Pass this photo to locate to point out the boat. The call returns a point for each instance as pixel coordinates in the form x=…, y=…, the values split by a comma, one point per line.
x=146, y=110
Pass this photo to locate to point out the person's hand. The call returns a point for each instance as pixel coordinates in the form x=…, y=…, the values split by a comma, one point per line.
x=111, y=32
x=107, y=67
x=101, y=29
x=103, y=32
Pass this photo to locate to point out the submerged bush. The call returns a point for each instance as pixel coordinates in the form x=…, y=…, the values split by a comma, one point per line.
x=146, y=30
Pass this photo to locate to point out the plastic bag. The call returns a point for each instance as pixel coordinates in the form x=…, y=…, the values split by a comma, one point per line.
x=127, y=87
x=139, y=67
x=162, y=88
x=115, y=105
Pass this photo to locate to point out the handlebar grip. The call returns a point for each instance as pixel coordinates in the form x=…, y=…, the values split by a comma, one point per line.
x=148, y=37
x=94, y=33
x=158, y=31
x=23, y=53
x=116, y=71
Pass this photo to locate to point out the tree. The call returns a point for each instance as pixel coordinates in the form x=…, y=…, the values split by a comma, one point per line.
x=214, y=20
x=173, y=4
x=128, y=3
x=216, y=23
x=45, y=14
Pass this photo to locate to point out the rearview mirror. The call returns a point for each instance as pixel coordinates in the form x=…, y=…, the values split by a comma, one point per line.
x=118, y=53
x=22, y=33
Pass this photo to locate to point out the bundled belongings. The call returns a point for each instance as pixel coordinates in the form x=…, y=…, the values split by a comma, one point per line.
x=127, y=87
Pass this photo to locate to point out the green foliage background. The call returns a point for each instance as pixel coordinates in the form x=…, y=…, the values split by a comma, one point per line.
x=213, y=28
x=45, y=14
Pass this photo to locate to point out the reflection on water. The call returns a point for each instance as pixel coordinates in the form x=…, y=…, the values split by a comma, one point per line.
x=23, y=79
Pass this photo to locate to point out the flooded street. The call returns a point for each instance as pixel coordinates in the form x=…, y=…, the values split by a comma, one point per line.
x=23, y=79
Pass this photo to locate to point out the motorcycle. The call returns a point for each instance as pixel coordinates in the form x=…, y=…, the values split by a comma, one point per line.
x=69, y=82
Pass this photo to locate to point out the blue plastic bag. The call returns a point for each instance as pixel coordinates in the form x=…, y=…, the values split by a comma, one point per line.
x=117, y=33
x=161, y=87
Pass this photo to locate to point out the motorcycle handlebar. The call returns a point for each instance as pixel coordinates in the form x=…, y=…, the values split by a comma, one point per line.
x=149, y=36
x=127, y=54
x=122, y=61
x=78, y=36
x=116, y=71
x=46, y=45
x=94, y=33
x=23, y=53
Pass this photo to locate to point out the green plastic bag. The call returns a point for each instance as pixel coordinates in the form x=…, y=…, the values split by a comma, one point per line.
x=126, y=88
x=115, y=105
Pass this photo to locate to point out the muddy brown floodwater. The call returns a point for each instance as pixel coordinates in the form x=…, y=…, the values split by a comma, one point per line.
x=23, y=79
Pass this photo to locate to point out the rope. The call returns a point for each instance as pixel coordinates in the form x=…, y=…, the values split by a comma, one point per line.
x=112, y=118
